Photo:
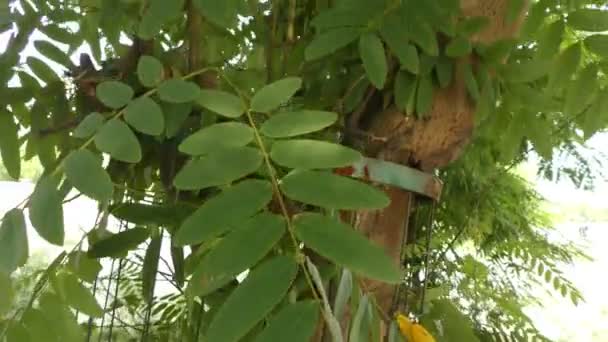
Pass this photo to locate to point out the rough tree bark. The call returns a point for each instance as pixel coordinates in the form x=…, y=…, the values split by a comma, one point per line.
x=429, y=143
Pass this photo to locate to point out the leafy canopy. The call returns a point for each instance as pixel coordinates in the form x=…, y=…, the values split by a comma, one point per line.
x=208, y=124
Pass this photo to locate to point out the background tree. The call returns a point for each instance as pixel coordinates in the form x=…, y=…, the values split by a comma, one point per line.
x=217, y=124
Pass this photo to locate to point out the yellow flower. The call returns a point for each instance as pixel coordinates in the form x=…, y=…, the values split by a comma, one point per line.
x=414, y=332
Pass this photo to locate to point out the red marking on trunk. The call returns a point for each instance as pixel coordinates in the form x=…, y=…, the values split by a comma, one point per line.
x=345, y=171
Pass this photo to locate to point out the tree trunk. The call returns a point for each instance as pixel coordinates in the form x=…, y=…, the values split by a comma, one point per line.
x=429, y=143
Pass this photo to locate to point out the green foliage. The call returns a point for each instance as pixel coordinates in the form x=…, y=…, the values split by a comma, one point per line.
x=312, y=154
x=9, y=146
x=244, y=199
x=118, y=140
x=339, y=192
x=335, y=241
x=146, y=116
x=220, y=126
x=178, y=91
x=84, y=172
x=46, y=211
x=271, y=96
x=290, y=124
x=296, y=322
x=260, y=292
x=223, y=103
x=13, y=242
x=114, y=94
x=76, y=295
x=149, y=71
x=221, y=135
x=254, y=239
x=118, y=245
x=220, y=167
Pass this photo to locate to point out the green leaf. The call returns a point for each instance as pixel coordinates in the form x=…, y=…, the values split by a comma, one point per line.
x=458, y=47
x=38, y=327
x=118, y=140
x=444, y=70
x=472, y=25
x=89, y=125
x=222, y=13
x=46, y=211
x=17, y=332
x=312, y=154
x=598, y=44
x=424, y=95
x=526, y=71
x=9, y=144
x=83, y=170
x=84, y=267
x=471, y=82
x=329, y=42
x=595, y=117
x=118, y=245
x=61, y=318
x=6, y=299
x=177, y=257
x=289, y=124
x=178, y=91
x=338, y=192
x=212, y=219
x=534, y=19
x=424, y=36
x=149, y=71
x=408, y=56
x=454, y=324
x=295, y=323
x=222, y=103
x=550, y=40
x=359, y=321
x=345, y=16
x=565, y=66
x=332, y=322
x=373, y=57
x=405, y=91
x=42, y=70
x=146, y=116
x=580, y=93
x=254, y=239
x=218, y=168
x=262, y=290
x=77, y=295
x=158, y=215
x=343, y=245
x=498, y=51
x=52, y=52
x=14, y=249
x=158, y=13
x=345, y=289
x=588, y=19
x=397, y=41
x=218, y=136
x=60, y=34
x=272, y=95
x=394, y=335
x=114, y=94
x=175, y=117
x=150, y=268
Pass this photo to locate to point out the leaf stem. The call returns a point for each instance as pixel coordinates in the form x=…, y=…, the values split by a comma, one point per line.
x=281, y=200
x=275, y=187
